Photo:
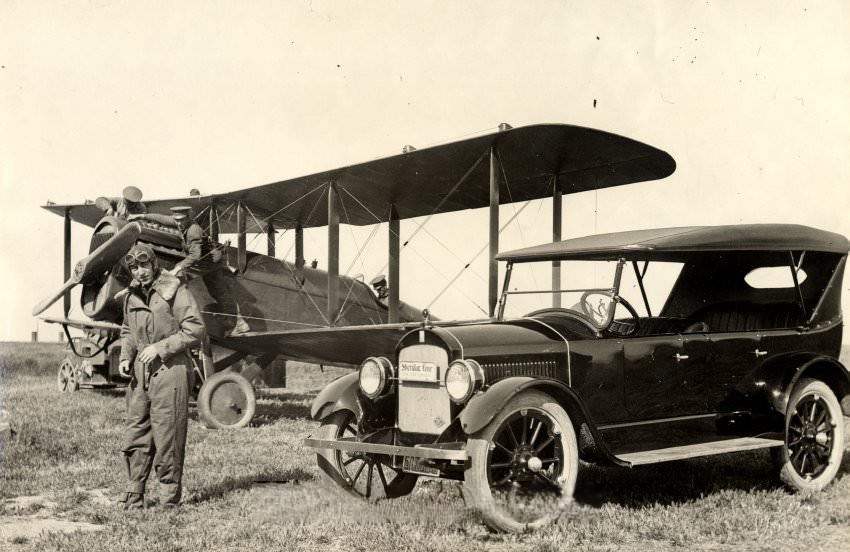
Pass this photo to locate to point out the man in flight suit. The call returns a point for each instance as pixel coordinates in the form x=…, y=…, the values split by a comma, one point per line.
x=161, y=323
x=203, y=257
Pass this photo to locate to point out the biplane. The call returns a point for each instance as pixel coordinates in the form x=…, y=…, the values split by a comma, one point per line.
x=298, y=312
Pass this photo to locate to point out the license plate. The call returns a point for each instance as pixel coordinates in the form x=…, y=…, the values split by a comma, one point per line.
x=411, y=464
x=417, y=371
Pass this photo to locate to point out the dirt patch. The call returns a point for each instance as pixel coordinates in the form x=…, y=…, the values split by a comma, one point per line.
x=22, y=529
x=25, y=518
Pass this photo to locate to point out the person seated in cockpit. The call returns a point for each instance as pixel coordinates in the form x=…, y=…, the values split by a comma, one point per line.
x=379, y=284
x=405, y=311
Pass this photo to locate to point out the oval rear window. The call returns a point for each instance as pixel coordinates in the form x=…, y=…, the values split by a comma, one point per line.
x=773, y=277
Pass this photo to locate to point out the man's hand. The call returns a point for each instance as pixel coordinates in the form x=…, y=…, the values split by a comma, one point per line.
x=124, y=368
x=176, y=271
x=149, y=354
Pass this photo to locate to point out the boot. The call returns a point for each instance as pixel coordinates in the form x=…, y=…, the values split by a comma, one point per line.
x=134, y=501
x=170, y=494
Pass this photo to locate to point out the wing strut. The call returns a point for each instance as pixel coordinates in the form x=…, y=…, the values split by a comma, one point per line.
x=333, y=254
x=242, y=253
x=493, y=266
x=557, y=206
x=270, y=232
x=394, y=254
x=299, y=245
x=67, y=299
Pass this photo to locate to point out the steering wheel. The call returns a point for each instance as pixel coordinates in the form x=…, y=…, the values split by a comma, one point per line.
x=601, y=313
x=604, y=314
x=557, y=311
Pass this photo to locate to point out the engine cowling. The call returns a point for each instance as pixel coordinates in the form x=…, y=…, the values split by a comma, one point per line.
x=98, y=296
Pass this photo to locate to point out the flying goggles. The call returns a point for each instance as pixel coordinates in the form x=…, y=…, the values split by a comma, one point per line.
x=134, y=258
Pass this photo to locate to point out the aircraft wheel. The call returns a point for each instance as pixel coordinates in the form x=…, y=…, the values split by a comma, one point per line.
x=226, y=401
x=367, y=476
x=66, y=377
x=814, y=438
x=522, y=466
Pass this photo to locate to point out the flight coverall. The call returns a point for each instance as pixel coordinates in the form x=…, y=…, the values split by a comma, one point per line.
x=166, y=316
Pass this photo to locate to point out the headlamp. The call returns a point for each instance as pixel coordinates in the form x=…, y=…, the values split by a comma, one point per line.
x=375, y=373
x=463, y=379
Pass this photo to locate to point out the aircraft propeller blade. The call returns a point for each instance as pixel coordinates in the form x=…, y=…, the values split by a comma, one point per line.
x=97, y=262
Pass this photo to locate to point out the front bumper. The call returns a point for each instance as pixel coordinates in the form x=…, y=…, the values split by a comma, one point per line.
x=441, y=451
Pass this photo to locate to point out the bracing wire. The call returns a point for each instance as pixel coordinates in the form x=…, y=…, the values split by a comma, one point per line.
x=420, y=255
x=440, y=204
x=472, y=260
x=263, y=319
x=291, y=203
x=360, y=251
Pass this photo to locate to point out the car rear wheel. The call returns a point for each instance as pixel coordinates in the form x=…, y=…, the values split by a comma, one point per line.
x=522, y=466
x=814, y=438
x=367, y=476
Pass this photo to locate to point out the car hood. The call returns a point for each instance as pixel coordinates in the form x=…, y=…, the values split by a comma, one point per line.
x=508, y=337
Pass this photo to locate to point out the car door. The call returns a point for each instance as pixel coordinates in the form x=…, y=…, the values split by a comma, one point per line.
x=696, y=369
x=734, y=355
x=665, y=391
x=654, y=380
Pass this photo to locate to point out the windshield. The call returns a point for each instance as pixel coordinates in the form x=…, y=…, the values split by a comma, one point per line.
x=589, y=290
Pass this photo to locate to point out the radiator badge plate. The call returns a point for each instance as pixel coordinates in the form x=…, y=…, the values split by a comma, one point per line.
x=418, y=371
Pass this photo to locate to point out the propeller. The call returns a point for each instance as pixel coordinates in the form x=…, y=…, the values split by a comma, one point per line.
x=96, y=263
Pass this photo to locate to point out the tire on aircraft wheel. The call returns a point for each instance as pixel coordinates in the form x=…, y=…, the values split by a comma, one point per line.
x=226, y=401
x=66, y=377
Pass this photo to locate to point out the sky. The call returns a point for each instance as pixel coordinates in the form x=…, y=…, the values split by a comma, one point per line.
x=751, y=99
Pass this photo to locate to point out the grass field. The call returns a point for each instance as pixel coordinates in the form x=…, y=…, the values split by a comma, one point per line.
x=258, y=489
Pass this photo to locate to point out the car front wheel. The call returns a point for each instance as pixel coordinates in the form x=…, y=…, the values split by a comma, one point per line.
x=522, y=466
x=814, y=438
x=368, y=476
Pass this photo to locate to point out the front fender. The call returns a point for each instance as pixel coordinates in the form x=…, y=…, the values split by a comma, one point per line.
x=340, y=394
x=482, y=408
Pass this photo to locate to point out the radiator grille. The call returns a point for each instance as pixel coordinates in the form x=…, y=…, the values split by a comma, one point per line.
x=501, y=369
x=424, y=407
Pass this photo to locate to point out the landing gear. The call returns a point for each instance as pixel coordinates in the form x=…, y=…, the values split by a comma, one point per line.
x=522, y=466
x=66, y=377
x=368, y=476
x=226, y=401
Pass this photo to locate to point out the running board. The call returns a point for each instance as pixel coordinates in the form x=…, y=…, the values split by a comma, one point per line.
x=702, y=449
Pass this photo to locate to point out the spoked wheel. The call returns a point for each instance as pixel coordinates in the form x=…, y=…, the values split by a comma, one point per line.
x=66, y=377
x=814, y=438
x=522, y=466
x=368, y=476
x=226, y=401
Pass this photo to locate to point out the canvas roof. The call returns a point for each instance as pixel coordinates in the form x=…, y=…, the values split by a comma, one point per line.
x=676, y=243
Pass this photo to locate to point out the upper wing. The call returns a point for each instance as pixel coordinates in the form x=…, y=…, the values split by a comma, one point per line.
x=439, y=179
